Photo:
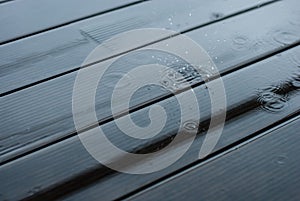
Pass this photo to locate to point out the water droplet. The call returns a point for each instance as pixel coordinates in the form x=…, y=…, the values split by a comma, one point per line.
x=165, y=83
x=216, y=15
x=240, y=42
x=186, y=52
x=281, y=160
x=170, y=21
x=190, y=125
x=34, y=191
x=190, y=14
x=296, y=82
x=271, y=101
x=284, y=37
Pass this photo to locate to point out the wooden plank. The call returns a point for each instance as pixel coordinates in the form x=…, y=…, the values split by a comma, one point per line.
x=56, y=52
x=66, y=166
x=264, y=169
x=42, y=114
x=20, y=19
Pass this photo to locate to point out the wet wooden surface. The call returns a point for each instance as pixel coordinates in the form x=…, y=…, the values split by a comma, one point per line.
x=256, y=51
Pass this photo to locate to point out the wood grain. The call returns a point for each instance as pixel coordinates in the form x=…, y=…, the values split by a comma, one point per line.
x=42, y=114
x=66, y=166
x=261, y=169
x=60, y=51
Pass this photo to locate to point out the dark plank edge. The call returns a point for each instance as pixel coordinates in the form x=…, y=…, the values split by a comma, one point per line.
x=23, y=151
x=287, y=130
x=56, y=159
x=28, y=80
x=60, y=24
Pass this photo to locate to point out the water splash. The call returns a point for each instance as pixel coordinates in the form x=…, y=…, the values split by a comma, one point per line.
x=180, y=77
x=281, y=160
x=271, y=100
x=190, y=125
x=296, y=82
x=240, y=42
x=284, y=37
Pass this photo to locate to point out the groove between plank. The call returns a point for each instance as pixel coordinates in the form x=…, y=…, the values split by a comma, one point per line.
x=70, y=22
x=153, y=42
x=93, y=171
x=217, y=155
x=138, y=107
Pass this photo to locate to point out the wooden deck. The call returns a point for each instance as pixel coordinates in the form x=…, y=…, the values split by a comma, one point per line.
x=255, y=45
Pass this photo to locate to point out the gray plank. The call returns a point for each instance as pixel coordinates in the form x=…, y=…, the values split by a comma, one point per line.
x=42, y=114
x=29, y=61
x=19, y=19
x=266, y=168
x=64, y=167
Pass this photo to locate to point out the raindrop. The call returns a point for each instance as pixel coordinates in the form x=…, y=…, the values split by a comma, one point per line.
x=281, y=160
x=240, y=42
x=170, y=21
x=190, y=125
x=284, y=37
x=165, y=83
x=272, y=102
x=216, y=15
x=190, y=14
x=296, y=82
